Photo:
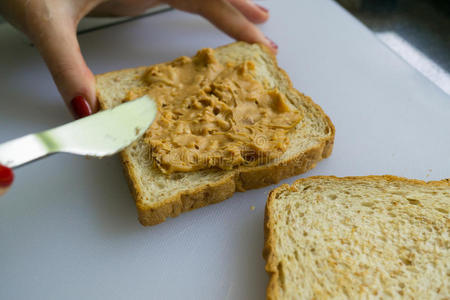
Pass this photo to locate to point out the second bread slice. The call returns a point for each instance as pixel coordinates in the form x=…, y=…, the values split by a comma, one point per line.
x=372, y=237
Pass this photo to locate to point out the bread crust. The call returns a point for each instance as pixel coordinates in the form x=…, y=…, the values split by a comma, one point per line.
x=269, y=242
x=179, y=203
x=240, y=179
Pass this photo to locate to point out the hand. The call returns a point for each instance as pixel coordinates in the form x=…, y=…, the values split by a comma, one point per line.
x=6, y=179
x=51, y=26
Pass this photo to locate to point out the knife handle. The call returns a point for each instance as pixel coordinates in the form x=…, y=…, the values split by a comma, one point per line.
x=26, y=149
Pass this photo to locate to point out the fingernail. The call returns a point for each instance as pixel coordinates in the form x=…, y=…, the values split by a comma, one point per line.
x=272, y=43
x=6, y=176
x=262, y=8
x=80, y=107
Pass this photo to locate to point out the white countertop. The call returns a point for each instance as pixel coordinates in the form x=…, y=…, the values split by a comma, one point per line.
x=68, y=227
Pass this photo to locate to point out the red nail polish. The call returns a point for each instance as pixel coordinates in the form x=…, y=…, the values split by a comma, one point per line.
x=80, y=107
x=272, y=43
x=262, y=8
x=6, y=176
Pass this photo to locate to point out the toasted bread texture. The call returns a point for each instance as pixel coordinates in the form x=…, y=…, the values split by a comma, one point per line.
x=358, y=238
x=159, y=196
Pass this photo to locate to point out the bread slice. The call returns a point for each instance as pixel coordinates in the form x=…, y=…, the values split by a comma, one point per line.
x=159, y=196
x=358, y=238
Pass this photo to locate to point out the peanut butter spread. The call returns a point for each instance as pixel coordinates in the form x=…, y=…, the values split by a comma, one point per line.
x=214, y=115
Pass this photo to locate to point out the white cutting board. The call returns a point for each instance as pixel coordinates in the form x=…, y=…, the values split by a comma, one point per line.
x=68, y=227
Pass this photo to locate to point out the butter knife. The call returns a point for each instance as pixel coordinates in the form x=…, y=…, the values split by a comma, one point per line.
x=102, y=134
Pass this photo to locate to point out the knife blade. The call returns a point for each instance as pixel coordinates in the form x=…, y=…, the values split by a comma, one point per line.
x=102, y=134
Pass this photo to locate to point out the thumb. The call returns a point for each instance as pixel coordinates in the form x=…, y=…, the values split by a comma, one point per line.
x=57, y=42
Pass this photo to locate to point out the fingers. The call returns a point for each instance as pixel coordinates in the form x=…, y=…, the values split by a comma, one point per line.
x=253, y=12
x=6, y=179
x=57, y=42
x=226, y=17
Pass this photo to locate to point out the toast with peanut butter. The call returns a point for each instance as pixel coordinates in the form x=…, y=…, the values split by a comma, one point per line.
x=229, y=120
